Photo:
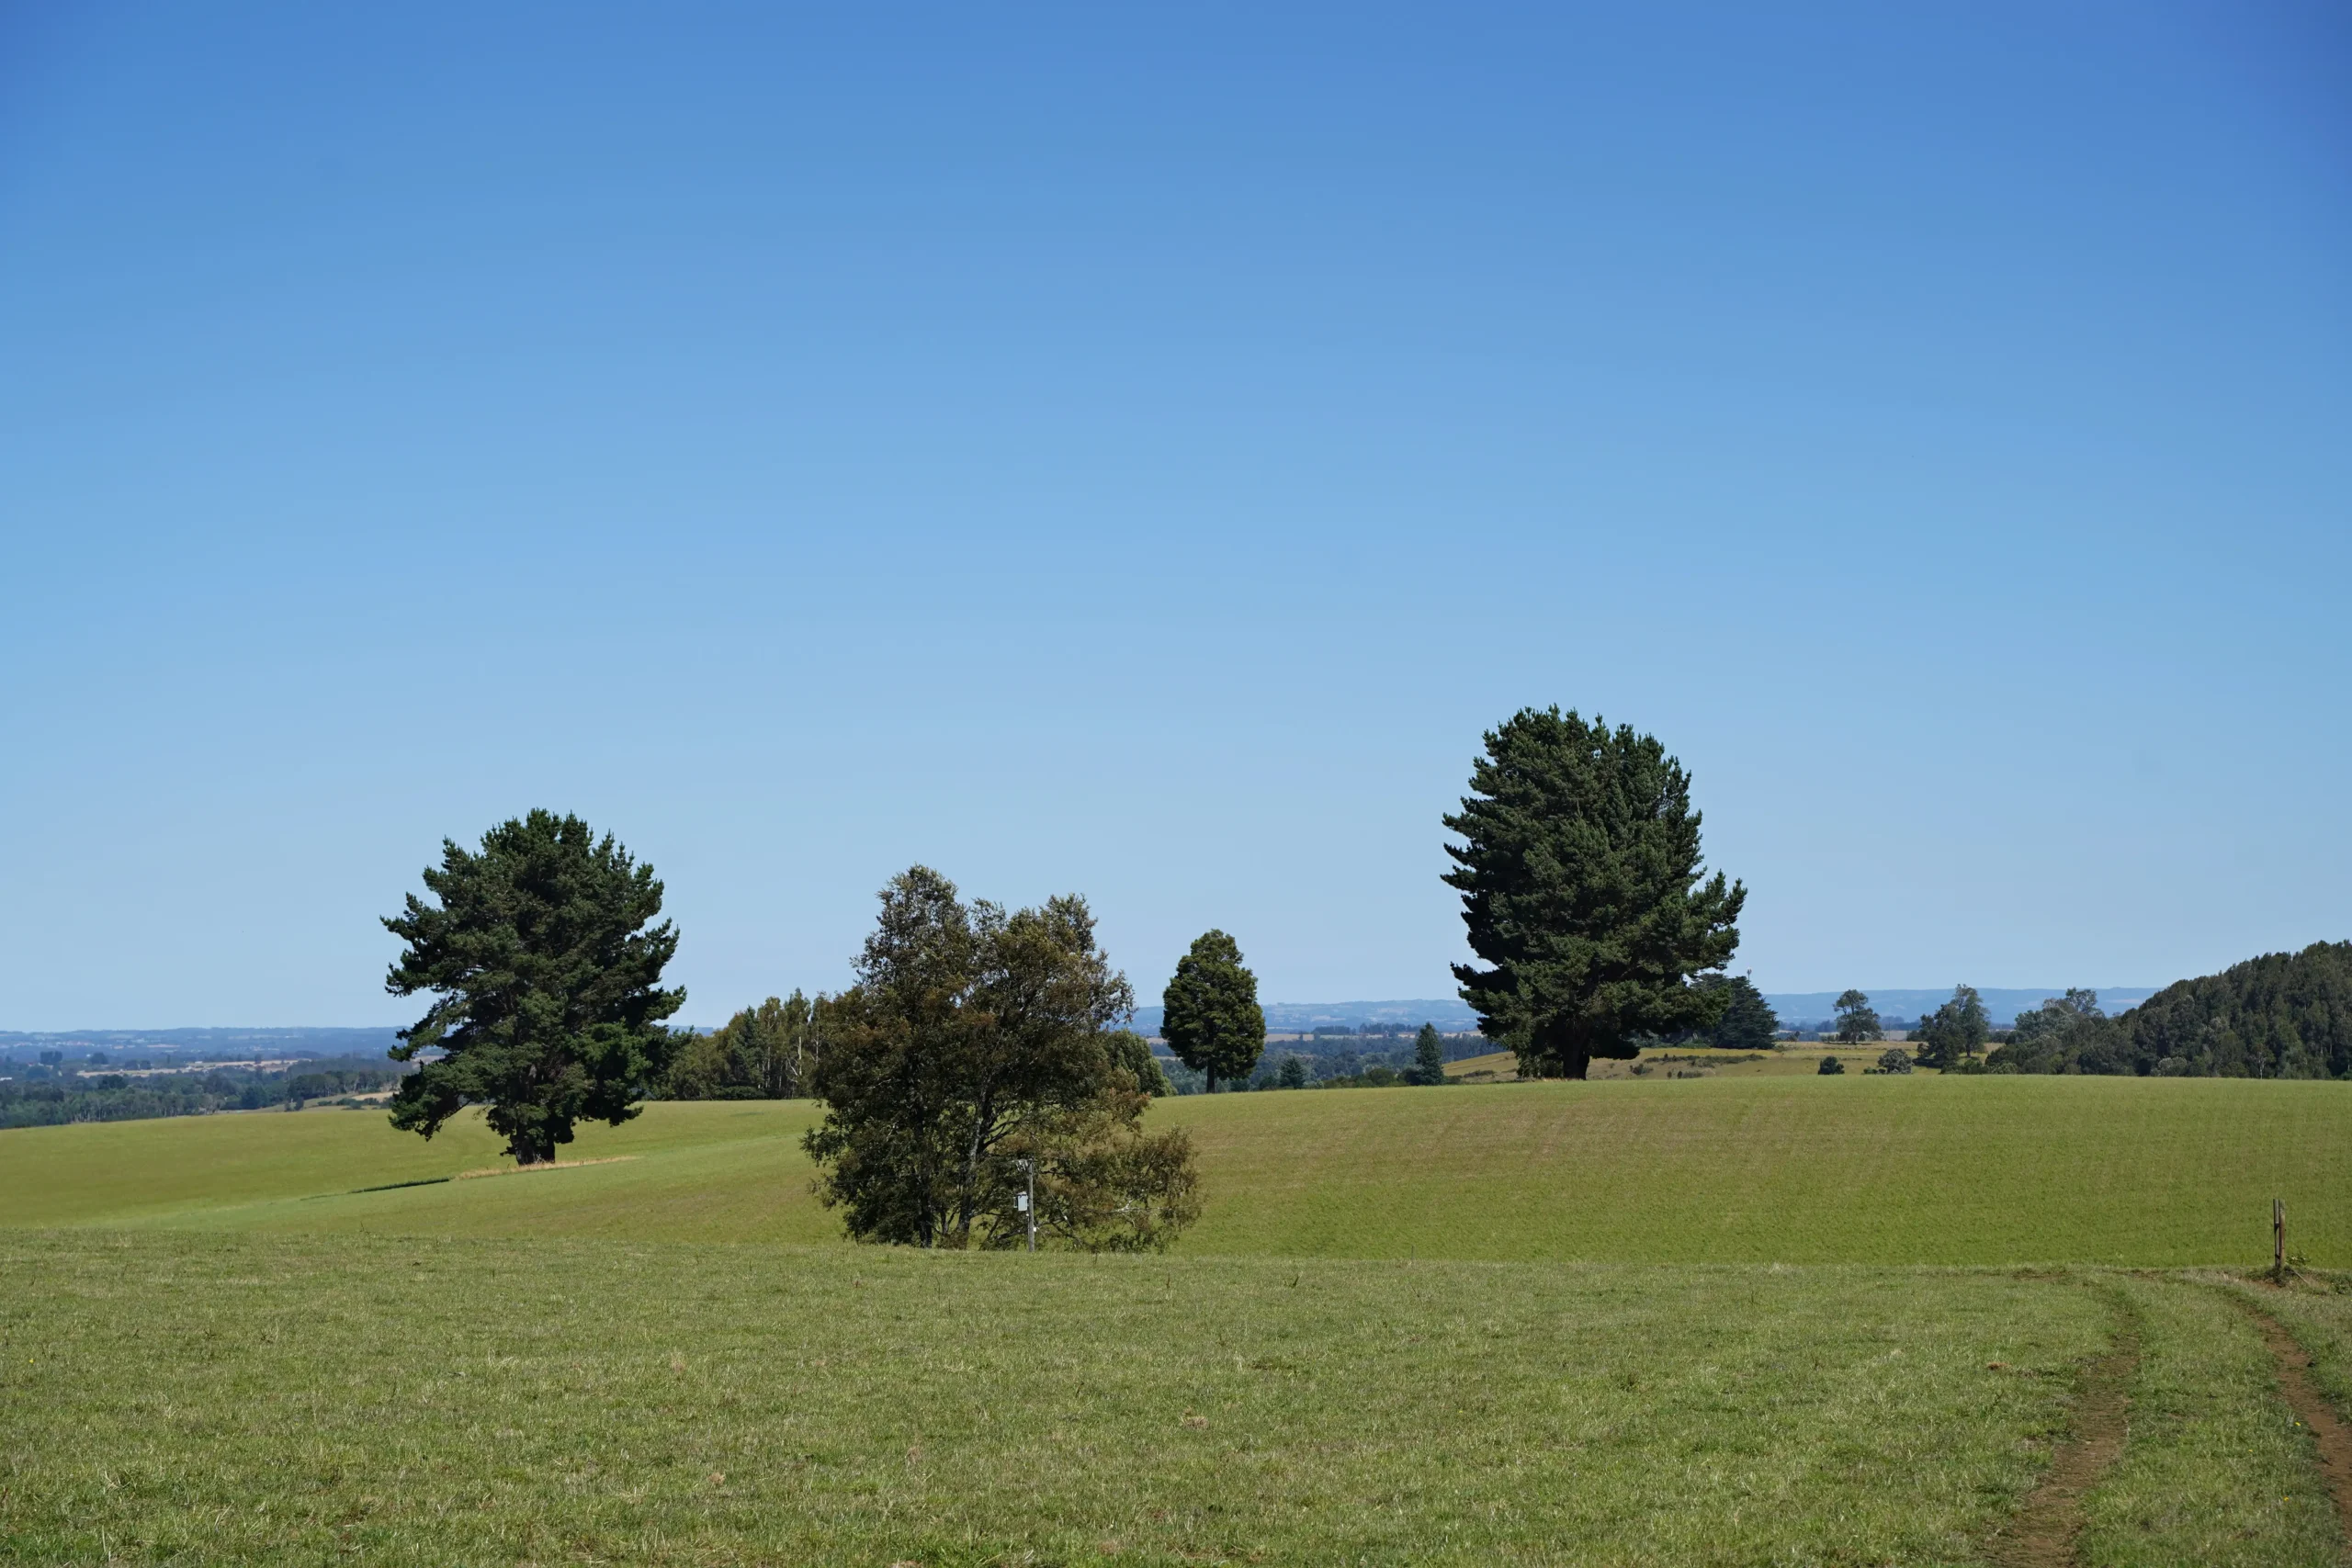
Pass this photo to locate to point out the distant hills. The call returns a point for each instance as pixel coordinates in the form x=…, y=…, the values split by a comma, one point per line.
x=1800, y=1010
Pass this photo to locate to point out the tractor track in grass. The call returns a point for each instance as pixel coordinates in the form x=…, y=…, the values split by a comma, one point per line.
x=2042, y=1534
x=2333, y=1439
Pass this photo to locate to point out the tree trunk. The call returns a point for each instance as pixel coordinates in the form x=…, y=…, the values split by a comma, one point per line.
x=968, y=1199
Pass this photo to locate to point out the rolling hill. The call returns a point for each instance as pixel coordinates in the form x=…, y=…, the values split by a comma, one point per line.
x=1917, y=1170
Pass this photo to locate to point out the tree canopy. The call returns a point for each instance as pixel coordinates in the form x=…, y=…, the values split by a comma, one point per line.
x=1856, y=1019
x=545, y=973
x=2280, y=1015
x=1955, y=1031
x=1581, y=880
x=1748, y=1022
x=762, y=1052
x=977, y=1038
x=1209, y=1013
x=1130, y=1053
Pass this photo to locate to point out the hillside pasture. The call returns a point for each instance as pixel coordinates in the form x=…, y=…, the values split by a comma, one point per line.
x=1881, y=1170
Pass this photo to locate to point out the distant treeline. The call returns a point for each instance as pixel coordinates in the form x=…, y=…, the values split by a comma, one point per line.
x=205, y=1045
x=2283, y=1015
x=48, y=1094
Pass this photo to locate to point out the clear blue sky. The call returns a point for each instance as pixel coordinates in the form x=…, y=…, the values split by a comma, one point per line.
x=1140, y=453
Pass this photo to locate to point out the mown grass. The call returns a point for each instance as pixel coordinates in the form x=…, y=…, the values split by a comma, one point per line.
x=2217, y=1471
x=1950, y=1170
x=2317, y=1310
x=294, y=1339
x=172, y=1397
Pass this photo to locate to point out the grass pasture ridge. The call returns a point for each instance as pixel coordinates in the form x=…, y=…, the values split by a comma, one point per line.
x=2136, y=1172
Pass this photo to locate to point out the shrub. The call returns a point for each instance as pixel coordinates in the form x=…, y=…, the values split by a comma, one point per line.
x=1895, y=1061
x=1831, y=1066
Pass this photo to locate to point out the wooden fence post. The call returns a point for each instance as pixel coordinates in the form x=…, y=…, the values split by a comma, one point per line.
x=2278, y=1238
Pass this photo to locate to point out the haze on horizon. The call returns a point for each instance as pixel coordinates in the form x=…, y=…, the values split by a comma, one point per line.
x=1139, y=455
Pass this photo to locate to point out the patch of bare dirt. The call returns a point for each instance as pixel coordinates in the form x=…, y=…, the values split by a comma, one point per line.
x=2312, y=1408
x=2042, y=1534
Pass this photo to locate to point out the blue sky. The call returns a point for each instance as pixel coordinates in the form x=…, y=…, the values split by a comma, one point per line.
x=1139, y=454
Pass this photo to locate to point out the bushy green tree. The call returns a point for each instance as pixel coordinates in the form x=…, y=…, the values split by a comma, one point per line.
x=1955, y=1031
x=1856, y=1019
x=1748, y=1023
x=974, y=1039
x=1580, y=881
x=1209, y=1013
x=1830, y=1068
x=545, y=973
x=1294, y=1073
x=1895, y=1060
x=1131, y=1054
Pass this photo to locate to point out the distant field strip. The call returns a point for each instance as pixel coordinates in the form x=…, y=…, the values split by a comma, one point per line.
x=2006, y=1171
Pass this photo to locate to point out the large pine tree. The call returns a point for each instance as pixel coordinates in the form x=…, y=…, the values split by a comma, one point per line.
x=1580, y=874
x=546, y=975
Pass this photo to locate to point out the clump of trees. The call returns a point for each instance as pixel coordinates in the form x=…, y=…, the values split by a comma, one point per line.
x=978, y=1046
x=762, y=1052
x=544, y=967
x=1951, y=1036
x=1858, y=1021
x=2282, y=1015
x=1583, y=895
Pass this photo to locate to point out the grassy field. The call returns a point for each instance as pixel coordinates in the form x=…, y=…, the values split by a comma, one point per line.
x=1882, y=1170
x=173, y=1397
x=1639, y=1322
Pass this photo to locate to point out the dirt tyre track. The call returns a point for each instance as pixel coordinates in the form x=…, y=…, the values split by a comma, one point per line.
x=2332, y=1438
x=2042, y=1534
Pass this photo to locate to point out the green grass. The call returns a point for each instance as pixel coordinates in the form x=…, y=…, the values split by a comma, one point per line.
x=187, y=1398
x=2317, y=1310
x=1921, y=1170
x=1636, y=1321
x=2217, y=1472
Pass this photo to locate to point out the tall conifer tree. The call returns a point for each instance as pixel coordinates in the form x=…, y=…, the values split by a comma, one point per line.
x=1580, y=874
x=547, y=979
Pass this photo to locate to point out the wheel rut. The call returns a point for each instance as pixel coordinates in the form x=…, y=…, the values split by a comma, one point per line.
x=2042, y=1534
x=2311, y=1407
